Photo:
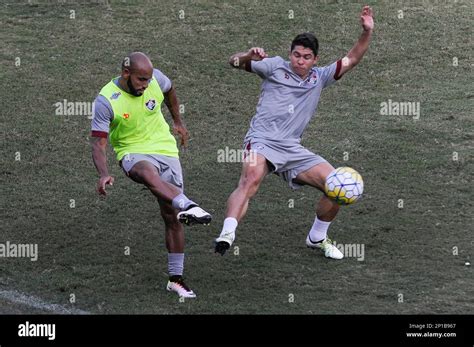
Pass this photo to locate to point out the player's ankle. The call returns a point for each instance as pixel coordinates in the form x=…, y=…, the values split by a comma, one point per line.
x=230, y=224
x=182, y=202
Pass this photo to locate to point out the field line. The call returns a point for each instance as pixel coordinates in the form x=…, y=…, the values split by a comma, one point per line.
x=32, y=301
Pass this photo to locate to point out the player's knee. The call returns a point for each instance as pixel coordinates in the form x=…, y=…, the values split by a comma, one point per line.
x=250, y=184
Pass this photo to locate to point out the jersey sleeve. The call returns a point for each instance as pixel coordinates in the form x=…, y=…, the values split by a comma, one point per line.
x=163, y=81
x=330, y=73
x=102, y=115
x=264, y=68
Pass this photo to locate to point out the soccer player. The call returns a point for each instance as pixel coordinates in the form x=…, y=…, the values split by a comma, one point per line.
x=289, y=98
x=128, y=111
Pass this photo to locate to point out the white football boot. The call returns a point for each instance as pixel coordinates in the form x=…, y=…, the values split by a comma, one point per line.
x=194, y=215
x=224, y=241
x=178, y=286
x=330, y=251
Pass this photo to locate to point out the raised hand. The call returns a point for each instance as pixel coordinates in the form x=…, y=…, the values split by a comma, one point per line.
x=366, y=18
x=257, y=53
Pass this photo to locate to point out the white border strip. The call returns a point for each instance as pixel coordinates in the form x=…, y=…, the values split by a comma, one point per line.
x=31, y=301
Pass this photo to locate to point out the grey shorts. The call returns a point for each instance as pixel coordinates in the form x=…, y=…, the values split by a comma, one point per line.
x=286, y=162
x=169, y=168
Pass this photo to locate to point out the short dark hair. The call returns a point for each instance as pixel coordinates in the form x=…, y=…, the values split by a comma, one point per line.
x=306, y=40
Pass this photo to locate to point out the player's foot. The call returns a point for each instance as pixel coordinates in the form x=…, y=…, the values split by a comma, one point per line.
x=224, y=241
x=194, y=215
x=177, y=285
x=330, y=251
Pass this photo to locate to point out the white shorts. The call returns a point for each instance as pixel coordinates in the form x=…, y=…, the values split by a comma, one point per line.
x=169, y=168
x=287, y=162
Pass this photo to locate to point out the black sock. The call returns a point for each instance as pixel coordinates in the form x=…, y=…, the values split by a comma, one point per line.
x=175, y=278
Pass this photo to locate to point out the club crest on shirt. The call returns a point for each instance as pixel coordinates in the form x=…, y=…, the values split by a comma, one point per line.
x=150, y=104
x=313, y=78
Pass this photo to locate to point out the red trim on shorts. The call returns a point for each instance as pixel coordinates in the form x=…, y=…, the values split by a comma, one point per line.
x=247, y=150
x=96, y=133
x=338, y=70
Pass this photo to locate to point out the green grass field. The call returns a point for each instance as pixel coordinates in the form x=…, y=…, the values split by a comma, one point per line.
x=409, y=266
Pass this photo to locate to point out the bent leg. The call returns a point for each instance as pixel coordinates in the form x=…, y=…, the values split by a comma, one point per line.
x=326, y=209
x=147, y=174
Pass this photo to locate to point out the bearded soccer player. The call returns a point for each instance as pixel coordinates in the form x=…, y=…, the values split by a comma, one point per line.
x=289, y=98
x=128, y=112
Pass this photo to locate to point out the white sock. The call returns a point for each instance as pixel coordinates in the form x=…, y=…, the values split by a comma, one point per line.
x=319, y=230
x=175, y=264
x=230, y=224
x=181, y=202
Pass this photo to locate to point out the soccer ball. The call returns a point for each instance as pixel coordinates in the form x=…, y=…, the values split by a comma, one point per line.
x=344, y=185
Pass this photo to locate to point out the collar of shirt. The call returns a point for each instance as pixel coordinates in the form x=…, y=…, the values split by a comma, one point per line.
x=311, y=80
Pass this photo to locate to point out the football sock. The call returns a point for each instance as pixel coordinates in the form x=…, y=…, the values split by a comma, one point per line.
x=182, y=203
x=175, y=264
x=230, y=224
x=319, y=230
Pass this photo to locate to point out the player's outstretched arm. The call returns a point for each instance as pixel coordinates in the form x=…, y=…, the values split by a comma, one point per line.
x=239, y=60
x=357, y=52
x=99, y=155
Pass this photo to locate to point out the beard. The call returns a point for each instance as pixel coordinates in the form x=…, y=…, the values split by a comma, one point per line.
x=132, y=89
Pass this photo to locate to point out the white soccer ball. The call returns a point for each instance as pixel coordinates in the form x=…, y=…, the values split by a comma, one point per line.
x=344, y=185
